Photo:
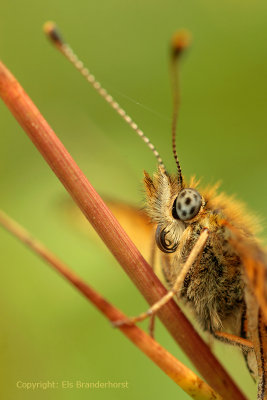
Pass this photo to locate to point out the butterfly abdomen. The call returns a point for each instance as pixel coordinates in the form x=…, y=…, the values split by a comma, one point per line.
x=213, y=287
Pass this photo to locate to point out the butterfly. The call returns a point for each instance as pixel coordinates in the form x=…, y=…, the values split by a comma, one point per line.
x=209, y=254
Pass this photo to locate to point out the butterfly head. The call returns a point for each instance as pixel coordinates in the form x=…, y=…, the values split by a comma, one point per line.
x=171, y=203
x=172, y=206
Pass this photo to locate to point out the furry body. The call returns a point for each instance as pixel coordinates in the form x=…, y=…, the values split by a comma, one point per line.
x=216, y=286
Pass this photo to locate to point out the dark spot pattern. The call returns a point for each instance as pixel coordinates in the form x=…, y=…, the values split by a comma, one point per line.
x=192, y=210
x=188, y=204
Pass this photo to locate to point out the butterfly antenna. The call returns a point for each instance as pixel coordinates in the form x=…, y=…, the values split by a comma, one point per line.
x=180, y=42
x=52, y=32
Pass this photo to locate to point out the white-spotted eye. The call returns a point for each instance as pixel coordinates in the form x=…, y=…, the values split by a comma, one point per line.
x=187, y=204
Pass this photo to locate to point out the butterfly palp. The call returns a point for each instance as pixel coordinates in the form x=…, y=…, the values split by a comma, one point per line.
x=164, y=243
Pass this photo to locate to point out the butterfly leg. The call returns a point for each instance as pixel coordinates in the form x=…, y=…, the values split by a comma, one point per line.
x=241, y=340
x=195, y=252
x=151, y=327
x=228, y=338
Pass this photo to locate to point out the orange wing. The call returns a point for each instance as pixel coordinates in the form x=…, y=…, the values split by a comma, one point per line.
x=254, y=260
x=134, y=221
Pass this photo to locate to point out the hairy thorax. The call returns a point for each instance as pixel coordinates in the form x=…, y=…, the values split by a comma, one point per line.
x=213, y=287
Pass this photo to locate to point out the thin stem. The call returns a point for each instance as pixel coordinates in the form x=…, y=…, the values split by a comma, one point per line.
x=112, y=234
x=196, y=250
x=178, y=372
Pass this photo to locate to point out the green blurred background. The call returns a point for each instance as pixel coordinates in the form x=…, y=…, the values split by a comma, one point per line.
x=48, y=331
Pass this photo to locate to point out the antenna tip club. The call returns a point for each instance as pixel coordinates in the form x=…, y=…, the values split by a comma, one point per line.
x=51, y=30
x=180, y=42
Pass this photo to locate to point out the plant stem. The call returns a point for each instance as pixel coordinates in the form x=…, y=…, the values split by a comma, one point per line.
x=112, y=234
x=177, y=371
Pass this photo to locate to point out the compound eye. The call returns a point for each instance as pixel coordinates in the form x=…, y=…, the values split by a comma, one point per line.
x=188, y=204
x=164, y=244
